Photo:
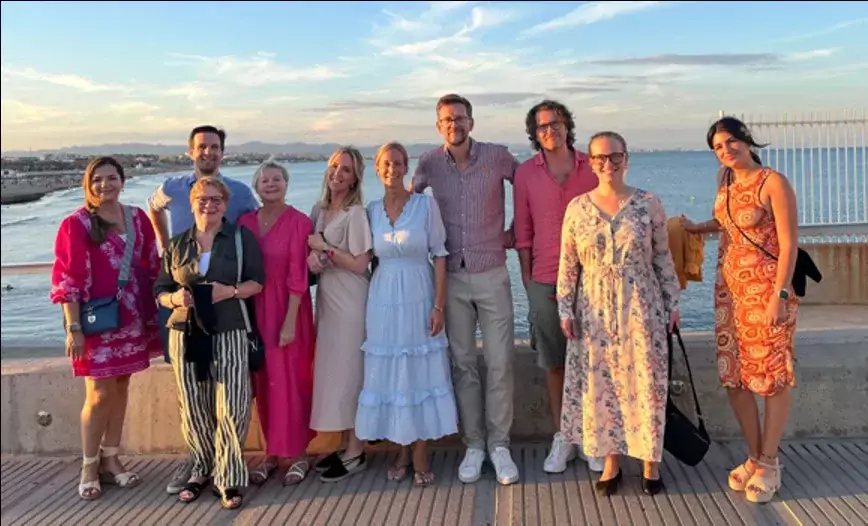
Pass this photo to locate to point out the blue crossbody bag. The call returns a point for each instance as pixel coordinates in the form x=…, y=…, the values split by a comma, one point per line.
x=103, y=314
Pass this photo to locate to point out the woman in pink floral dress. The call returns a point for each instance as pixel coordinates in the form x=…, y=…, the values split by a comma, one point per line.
x=89, y=251
x=617, y=297
x=284, y=315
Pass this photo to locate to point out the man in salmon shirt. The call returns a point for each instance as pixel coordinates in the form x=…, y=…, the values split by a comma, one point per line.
x=544, y=186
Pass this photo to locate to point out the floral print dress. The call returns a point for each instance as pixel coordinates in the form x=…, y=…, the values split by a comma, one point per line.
x=617, y=280
x=750, y=355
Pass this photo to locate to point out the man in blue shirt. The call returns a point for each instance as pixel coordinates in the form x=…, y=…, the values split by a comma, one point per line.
x=206, y=149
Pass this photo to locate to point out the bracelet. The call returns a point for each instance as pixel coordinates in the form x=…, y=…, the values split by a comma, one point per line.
x=438, y=308
x=73, y=327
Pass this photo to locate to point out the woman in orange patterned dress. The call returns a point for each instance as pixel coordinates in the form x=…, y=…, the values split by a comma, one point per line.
x=755, y=307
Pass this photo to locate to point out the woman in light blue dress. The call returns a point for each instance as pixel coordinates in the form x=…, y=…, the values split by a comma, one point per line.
x=407, y=397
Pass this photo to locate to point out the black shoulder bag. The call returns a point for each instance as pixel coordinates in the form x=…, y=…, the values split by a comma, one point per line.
x=684, y=440
x=255, y=346
x=805, y=267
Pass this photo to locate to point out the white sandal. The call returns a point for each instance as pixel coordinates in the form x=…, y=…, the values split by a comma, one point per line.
x=90, y=490
x=762, y=488
x=127, y=479
x=296, y=473
x=740, y=476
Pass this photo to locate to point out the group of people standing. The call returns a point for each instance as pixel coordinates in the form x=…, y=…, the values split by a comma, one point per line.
x=402, y=285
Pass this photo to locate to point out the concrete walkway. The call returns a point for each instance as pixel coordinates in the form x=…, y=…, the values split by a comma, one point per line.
x=825, y=483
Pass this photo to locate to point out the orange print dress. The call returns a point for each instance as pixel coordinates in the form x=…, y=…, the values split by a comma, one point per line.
x=750, y=355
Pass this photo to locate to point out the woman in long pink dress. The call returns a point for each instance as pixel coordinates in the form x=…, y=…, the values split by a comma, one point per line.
x=284, y=316
x=89, y=253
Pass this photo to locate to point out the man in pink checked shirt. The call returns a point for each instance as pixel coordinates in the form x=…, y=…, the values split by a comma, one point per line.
x=544, y=186
x=468, y=180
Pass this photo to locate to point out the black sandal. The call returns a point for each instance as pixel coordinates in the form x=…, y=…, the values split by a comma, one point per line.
x=231, y=499
x=192, y=487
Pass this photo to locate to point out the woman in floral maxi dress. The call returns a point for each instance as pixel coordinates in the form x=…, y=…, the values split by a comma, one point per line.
x=617, y=297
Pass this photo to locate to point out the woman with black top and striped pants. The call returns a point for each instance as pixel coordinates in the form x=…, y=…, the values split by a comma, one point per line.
x=208, y=339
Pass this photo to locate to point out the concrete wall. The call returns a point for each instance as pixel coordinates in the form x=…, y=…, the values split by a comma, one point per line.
x=832, y=373
x=845, y=274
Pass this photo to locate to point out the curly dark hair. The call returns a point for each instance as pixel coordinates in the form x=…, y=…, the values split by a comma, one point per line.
x=560, y=110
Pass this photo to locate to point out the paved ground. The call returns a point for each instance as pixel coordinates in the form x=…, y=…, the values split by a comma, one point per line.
x=825, y=483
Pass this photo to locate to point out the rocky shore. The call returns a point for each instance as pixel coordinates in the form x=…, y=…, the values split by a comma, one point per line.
x=34, y=186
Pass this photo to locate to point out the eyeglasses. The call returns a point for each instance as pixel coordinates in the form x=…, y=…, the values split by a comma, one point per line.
x=614, y=157
x=204, y=200
x=453, y=120
x=555, y=126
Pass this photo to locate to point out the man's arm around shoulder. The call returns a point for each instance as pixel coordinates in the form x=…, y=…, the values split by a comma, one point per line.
x=158, y=203
x=419, y=181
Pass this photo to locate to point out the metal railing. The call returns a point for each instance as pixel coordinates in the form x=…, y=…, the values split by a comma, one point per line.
x=824, y=157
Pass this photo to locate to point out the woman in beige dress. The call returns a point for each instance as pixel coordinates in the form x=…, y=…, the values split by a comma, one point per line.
x=341, y=249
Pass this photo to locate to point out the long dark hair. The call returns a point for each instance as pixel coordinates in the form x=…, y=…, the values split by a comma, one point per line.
x=737, y=129
x=99, y=227
x=561, y=111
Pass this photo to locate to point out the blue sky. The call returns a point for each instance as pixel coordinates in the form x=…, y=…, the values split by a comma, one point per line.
x=76, y=73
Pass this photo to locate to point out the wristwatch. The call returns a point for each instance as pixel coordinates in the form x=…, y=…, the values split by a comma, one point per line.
x=73, y=327
x=784, y=294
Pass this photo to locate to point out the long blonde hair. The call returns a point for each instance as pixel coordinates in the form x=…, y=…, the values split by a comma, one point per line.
x=354, y=196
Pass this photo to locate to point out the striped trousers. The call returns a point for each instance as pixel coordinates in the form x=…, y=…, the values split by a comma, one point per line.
x=215, y=414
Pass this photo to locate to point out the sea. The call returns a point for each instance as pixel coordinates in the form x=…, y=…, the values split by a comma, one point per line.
x=685, y=181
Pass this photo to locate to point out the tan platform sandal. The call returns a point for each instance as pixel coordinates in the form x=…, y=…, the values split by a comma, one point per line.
x=90, y=490
x=740, y=476
x=762, y=488
x=127, y=479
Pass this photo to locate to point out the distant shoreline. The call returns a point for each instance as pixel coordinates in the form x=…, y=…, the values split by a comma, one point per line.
x=31, y=187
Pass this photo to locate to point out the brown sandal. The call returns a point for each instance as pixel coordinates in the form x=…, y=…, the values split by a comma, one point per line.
x=423, y=478
x=398, y=473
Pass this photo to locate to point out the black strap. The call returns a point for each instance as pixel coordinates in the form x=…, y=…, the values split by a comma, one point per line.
x=689, y=372
x=239, y=255
x=731, y=220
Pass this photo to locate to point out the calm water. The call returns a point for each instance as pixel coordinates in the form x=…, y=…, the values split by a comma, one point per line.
x=684, y=180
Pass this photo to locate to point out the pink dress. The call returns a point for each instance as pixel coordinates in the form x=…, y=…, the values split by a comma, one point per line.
x=284, y=388
x=84, y=271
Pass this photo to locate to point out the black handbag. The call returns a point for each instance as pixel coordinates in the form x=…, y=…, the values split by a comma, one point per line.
x=683, y=439
x=805, y=267
x=255, y=346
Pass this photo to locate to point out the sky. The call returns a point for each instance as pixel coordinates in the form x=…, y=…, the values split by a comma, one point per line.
x=363, y=73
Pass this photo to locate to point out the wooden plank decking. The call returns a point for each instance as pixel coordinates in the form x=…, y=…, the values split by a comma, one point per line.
x=825, y=483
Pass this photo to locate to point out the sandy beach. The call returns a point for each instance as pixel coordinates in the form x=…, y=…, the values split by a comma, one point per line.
x=34, y=186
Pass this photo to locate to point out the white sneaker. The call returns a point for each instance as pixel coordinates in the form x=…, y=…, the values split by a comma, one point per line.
x=471, y=467
x=596, y=464
x=562, y=452
x=504, y=467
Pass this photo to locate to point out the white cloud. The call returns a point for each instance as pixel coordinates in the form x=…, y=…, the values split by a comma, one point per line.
x=327, y=122
x=825, y=31
x=69, y=81
x=814, y=53
x=259, y=70
x=480, y=18
x=16, y=112
x=403, y=24
x=133, y=107
x=845, y=70
x=592, y=12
